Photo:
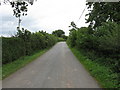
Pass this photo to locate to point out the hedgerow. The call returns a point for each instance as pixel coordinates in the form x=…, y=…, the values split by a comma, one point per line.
x=25, y=43
x=102, y=45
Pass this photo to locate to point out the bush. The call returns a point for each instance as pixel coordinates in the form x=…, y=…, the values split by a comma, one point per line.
x=25, y=43
x=101, y=46
x=85, y=40
x=108, y=36
x=104, y=41
x=12, y=48
x=72, y=38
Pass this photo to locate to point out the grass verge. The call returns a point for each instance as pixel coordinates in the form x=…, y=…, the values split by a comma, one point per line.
x=104, y=75
x=10, y=68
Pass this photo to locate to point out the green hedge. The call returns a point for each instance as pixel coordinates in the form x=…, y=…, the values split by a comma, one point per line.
x=104, y=42
x=102, y=45
x=12, y=48
x=25, y=43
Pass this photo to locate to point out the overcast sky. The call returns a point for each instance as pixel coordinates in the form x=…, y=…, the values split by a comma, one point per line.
x=47, y=15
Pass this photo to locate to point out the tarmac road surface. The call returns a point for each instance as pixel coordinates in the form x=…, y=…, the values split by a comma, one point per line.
x=57, y=68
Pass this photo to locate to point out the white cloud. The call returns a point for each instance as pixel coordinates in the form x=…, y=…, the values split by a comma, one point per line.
x=47, y=15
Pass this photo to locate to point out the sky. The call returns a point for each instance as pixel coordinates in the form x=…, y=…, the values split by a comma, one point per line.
x=46, y=15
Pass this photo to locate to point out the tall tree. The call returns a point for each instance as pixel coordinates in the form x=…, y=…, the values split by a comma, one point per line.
x=103, y=12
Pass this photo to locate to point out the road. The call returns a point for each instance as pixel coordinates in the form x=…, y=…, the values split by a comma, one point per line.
x=57, y=68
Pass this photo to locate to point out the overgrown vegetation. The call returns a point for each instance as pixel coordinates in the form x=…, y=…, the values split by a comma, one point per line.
x=102, y=46
x=104, y=75
x=100, y=41
x=25, y=43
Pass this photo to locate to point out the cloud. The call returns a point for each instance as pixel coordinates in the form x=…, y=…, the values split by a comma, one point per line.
x=47, y=15
x=8, y=26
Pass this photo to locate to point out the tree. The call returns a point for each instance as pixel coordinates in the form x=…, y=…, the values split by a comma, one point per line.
x=58, y=33
x=24, y=34
x=103, y=12
x=64, y=37
x=19, y=8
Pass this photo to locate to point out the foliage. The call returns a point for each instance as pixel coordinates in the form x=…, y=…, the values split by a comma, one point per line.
x=105, y=39
x=72, y=38
x=25, y=43
x=84, y=40
x=58, y=33
x=19, y=8
x=103, y=42
x=73, y=25
x=108, y=36
x=12, y=49
x=103, y=12
x=64, y=37
x=61, y=39
x=106, y=77
x=102, y=37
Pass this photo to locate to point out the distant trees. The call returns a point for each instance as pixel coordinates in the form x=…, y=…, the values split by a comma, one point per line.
x=61, y=34
x=58, y=33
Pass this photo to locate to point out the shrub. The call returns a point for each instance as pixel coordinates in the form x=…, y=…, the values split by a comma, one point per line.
x=108, y=36
x=104, y=41
x=25, y=43
x=72, y=38
x=12, y=48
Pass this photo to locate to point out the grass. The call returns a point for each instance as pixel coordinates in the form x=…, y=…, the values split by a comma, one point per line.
x=104, y=75
x=10, y=68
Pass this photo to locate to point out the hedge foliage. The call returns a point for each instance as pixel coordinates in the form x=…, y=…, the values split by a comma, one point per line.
x=25, y=43
x=104, y=41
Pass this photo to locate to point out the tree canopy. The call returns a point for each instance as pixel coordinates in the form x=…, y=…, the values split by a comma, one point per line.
x=58, y=33
x=103, y=12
